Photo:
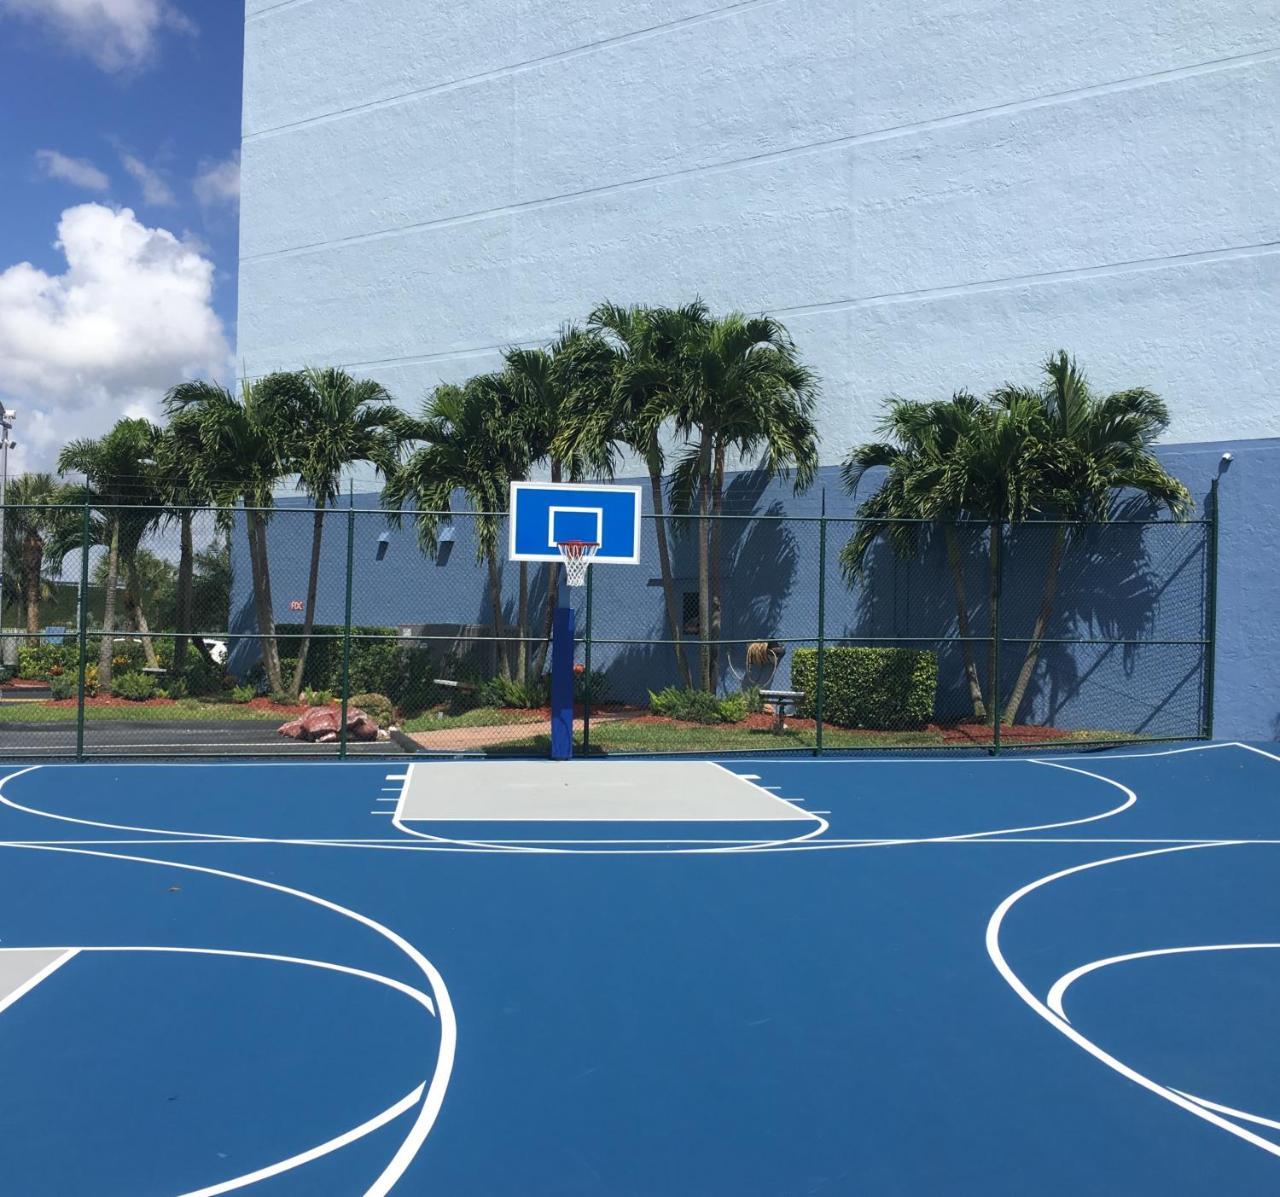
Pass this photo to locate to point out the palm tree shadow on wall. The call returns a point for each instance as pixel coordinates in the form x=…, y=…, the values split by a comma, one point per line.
x=761, y=560
x=1101, y=665
x=1127, y=592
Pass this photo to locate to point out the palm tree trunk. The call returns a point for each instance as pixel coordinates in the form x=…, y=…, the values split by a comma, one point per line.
x=1042, y=622
x=522, y=625
x=313, y=585
x=962, y=623
x=186, y=587
x=32, y=560
x=668, y=581
x=993, y=598
x=704, y=564
x=133, y=602
x=717, y=551
x=495, y=602
x=106, y=645
x=262, y=599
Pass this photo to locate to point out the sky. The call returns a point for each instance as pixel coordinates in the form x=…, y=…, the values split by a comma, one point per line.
x=119, y=209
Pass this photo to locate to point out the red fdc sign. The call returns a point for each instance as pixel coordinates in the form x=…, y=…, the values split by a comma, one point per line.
x=295, y=604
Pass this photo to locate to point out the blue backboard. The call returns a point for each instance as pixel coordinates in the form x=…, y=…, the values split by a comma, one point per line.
x=545, y=513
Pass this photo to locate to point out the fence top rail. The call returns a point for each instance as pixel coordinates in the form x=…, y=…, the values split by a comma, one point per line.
x=411, y=513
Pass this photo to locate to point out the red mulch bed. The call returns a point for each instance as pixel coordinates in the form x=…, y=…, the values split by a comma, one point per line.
x=111, y=700
x=25, y=683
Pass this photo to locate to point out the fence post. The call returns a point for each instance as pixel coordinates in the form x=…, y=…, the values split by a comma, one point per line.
x=1211, y=614
x=346, y=633
x=82, y=624
x=997, y=690
x=822, y=626
x=586, y=677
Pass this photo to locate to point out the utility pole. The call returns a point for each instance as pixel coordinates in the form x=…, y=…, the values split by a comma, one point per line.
x=6, y=443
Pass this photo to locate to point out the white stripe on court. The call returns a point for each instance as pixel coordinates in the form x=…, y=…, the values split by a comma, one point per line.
x=1063, y=983
x=445, y=1056
x=390, y=1114
x=31, y=982
x=1065, y=1028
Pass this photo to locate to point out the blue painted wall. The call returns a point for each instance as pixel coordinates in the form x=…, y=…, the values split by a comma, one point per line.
x=1145, y=584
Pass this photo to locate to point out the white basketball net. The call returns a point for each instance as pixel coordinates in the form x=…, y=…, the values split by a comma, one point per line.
x=577, y=556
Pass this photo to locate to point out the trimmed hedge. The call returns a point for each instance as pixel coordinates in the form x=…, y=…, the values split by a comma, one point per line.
x=880, y=688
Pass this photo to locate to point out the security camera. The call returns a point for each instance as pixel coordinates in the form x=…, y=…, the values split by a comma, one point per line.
x=1227, y=457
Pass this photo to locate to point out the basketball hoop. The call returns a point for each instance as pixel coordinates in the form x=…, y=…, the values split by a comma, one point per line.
x=577, y=556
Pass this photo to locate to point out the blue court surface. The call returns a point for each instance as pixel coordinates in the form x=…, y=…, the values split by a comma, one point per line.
x=986, y=976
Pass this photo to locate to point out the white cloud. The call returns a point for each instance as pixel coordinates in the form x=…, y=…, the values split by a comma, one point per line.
x=118, y=35
x=219, y=182
x=155, y=191
x=80, y=172
x=131, y=315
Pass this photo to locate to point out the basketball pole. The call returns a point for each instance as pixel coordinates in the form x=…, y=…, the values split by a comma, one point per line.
x=562, y=651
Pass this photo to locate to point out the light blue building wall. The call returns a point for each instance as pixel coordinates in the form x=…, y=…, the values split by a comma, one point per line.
x=930, y=195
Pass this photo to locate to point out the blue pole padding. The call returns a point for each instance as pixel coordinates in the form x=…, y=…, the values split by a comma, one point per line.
x=562, y=685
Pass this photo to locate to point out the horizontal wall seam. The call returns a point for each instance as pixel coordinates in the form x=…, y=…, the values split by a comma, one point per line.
x=514, y=68
x=817, y=147
x=1136, y=266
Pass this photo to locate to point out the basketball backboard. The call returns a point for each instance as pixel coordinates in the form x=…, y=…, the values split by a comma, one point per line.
x=544, y=514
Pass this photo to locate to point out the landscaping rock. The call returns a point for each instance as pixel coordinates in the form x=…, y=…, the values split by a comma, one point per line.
x=321, y=725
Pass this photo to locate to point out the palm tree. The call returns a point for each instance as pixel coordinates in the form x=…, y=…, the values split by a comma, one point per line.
x=622, y=379
x=538, y=385
x=36, y=522
x=471, y=444
x=1103, y=445
x=1018, y=455
x=177, y=454
x=112, y=465
x=338, y=421
x=243, y=455
x=948, y=461
x=743, y=390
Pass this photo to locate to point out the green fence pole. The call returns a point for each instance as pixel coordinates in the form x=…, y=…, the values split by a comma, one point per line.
x=82, y=625
x=346, y=632
x=997, y=690
x=586, y=663
x=1211, y=612
x=822, y=626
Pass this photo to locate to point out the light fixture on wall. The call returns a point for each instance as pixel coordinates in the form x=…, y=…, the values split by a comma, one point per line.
x=384, y=543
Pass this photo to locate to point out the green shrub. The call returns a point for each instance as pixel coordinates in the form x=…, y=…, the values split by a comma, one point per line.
x=377, y=706
x=881, y=688
x=697, y=706
x=64, y=685
x=136, y=687
x=591, y=687
x=282, y=698
x=177, y=688
x=243, y=694
x=752, y=700
x=37, y=661
x=316, y=698
x=502, y=692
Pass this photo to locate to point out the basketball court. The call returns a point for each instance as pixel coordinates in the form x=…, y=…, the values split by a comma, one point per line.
x=886, y=976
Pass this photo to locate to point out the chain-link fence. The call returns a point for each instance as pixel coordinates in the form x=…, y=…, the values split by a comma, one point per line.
x=342, y=632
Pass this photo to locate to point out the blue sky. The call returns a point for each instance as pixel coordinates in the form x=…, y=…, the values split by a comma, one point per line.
x=112, y=107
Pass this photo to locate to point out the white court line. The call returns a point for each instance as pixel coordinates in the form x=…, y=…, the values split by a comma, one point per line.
x=1271, y=756
x=31, y=982
x=390, y=1114
x=1063, y=983
x=977, y=758
x=1065, y=1028
x=1243, y=1115
x=434, y=1099
x=327, y=965
x=546, y=848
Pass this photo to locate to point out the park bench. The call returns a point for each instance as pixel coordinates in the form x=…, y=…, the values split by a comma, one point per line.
x=784, y=702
